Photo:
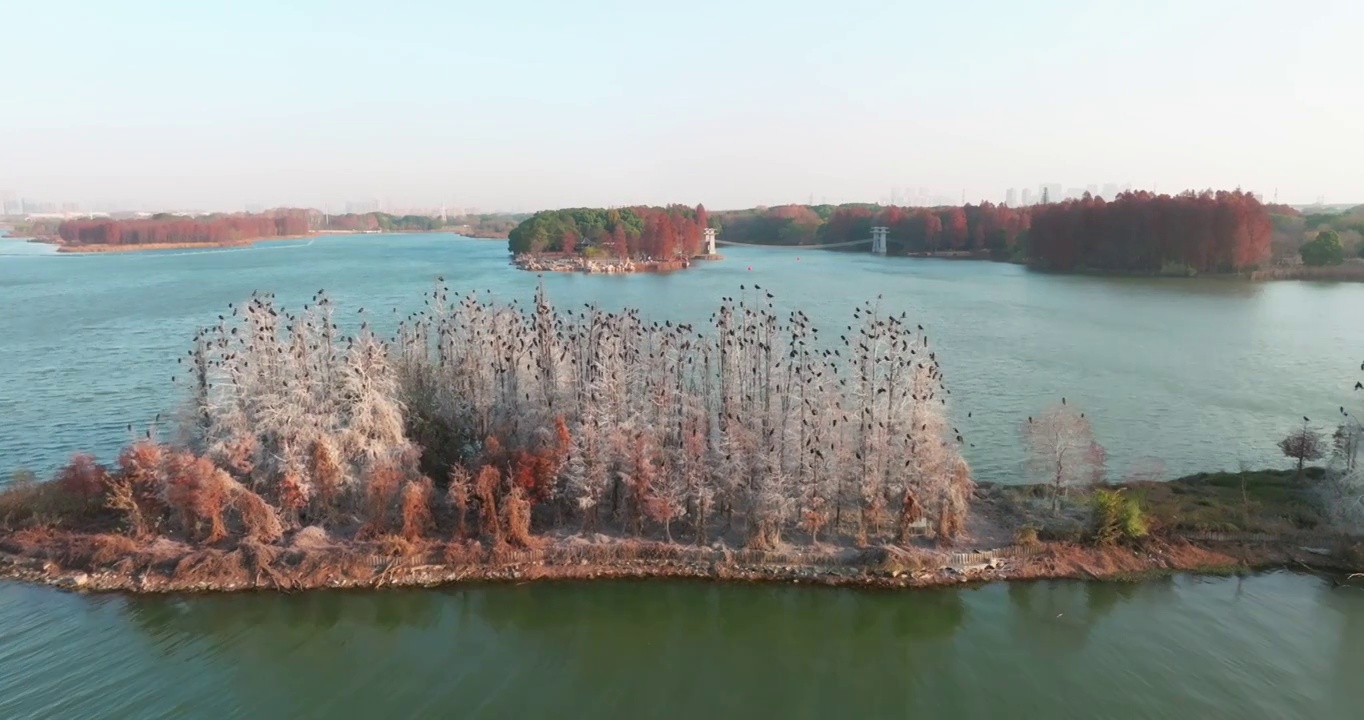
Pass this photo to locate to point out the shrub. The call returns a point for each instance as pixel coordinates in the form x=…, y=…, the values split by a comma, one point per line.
x=485, y=488
x=382, y=481
x=197, y=491
x=259, y=521
x=26, y=501
x=518, y=518
x=457, y=495
x=1027, y=536
x=417, y=520
x=1324, y=249
x=1116, y=516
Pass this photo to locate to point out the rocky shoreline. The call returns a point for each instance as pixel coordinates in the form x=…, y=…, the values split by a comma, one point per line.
x=168, y=567
x=595, y=266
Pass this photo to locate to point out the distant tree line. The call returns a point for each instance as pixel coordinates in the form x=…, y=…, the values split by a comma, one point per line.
x=655, y=232
x=1319, y=238
x=1145, y=233
x=477, y=225
x=1136, y=232
x=970, y=228
x=175, y=229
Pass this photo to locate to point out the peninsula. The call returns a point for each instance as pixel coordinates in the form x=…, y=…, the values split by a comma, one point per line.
x=488, y=441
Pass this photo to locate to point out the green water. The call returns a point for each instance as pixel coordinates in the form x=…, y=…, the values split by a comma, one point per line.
x=1272, y=646
x=1202, y=374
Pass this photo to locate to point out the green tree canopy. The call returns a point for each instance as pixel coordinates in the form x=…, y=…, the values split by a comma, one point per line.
x=1324, y=249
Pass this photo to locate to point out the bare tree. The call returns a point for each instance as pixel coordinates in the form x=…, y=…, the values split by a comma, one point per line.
x=1061, y=448
x=1303, y=445
x=756, y=423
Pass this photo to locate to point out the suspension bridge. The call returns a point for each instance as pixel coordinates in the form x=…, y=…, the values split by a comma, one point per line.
x=877, y=242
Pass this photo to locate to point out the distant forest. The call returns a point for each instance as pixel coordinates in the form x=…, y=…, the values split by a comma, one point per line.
x=1135, y=232
x=485, y=225
x=984, y=227
x=167, y=228
x=637, y=232
x=1145, y=233
x=177, y=229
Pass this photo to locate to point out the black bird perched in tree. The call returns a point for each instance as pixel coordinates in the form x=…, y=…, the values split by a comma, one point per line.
x=1063, y=401
x=1304, y=419
x=1359, y=386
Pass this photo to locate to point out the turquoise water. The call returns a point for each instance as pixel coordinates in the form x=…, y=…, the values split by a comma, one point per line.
x=1202, y=374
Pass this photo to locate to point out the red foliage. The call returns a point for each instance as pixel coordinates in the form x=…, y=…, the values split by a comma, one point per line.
x=1142, y=232
x=381, y=482
x=83, y=478
x=140, y=466
x=215, y=229
x=485, y=489
x=417, y=519
x=197, y=491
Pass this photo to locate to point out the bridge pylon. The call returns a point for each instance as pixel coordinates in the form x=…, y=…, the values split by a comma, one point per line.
x=878, y=239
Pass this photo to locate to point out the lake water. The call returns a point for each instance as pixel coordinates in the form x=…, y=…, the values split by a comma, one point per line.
x=1275, y=646
x=1201, y=374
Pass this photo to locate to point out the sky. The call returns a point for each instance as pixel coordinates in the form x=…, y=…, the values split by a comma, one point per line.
x=522, y=105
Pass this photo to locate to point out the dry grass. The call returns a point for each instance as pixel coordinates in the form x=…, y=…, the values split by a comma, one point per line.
x=26, y=502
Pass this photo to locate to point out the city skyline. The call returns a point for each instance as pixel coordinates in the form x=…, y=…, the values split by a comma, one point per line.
x=16, y=204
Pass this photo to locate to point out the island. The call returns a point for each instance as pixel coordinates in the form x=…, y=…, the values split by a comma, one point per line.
x=490, y=441
x=614, y=240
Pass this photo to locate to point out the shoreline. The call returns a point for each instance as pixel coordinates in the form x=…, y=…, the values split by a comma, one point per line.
x=164, y=566
x=102, y=248
x=609, y=266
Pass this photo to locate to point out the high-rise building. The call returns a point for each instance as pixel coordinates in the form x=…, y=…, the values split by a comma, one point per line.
x=1027, y=196
x=1011, y=197
x=1051, y=192
x=1092, y=189
x=1110, y=191
x=359, y=207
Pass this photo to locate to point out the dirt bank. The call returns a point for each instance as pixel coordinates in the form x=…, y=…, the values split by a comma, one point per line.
x=114, y=563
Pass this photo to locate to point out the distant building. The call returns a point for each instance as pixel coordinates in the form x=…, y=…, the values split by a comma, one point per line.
x=1110, y=191
x=1011, y=197
x=1092, y=189
x=1074, y=193
x=360, y=207
x=1027, y=196
x=1051, y=192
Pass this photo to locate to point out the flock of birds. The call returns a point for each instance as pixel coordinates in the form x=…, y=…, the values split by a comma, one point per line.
x=763, y=392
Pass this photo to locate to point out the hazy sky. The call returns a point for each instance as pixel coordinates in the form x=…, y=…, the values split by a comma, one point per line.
x=516, y=104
